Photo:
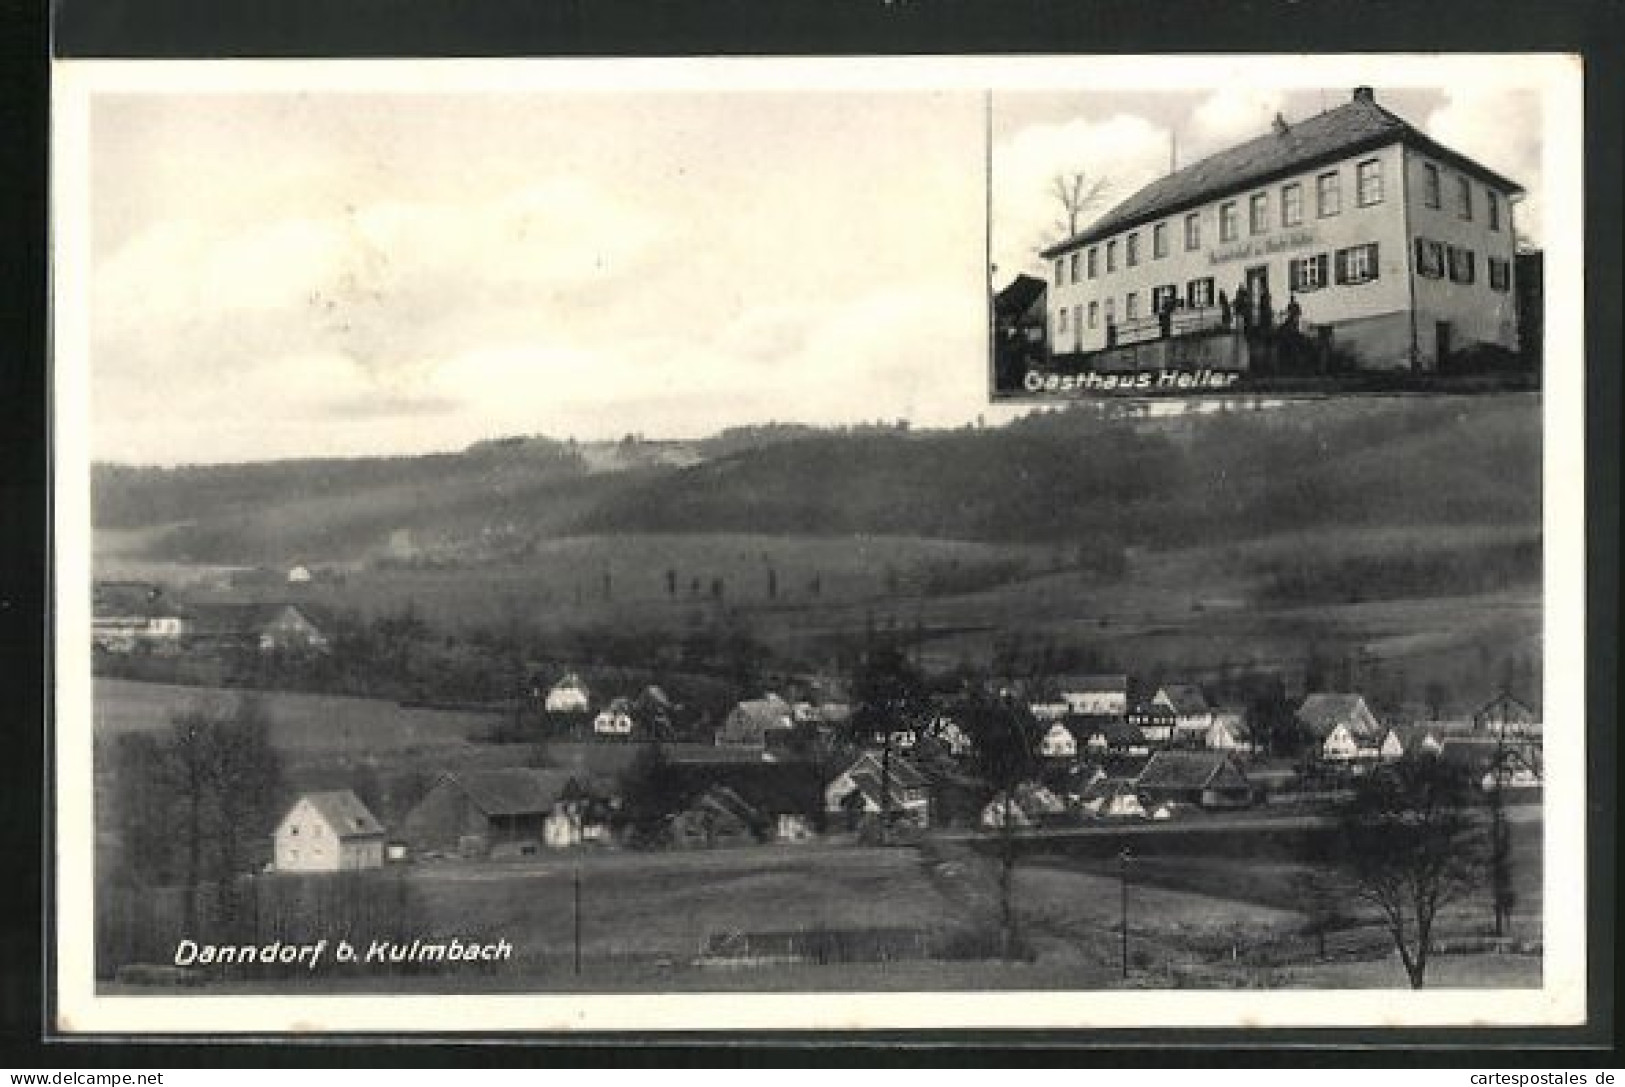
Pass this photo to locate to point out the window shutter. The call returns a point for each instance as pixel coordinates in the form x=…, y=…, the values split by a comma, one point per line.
x=1376, y=265
x=1342, y=266
x=1421, y=256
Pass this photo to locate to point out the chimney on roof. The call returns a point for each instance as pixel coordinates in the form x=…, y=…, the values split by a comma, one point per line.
x=1280, y=125
x=1364, y=94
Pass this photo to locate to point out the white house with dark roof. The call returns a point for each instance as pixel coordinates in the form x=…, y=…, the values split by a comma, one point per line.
x=1192, y=714
x=328, y=832
x=568, y=695
x=1342, y=725
x=1400, y=247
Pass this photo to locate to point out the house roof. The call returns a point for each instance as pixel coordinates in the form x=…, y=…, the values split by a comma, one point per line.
x=345, y=813
x=904, y=774
x=1188, y=769
x=1116, y=684
x=512, y=790
x=1352, y=127
x=126, y=598
x=240, y=618
x=1322, y=712
x=769, y=712
x=1118, y=733
x=1016, y=298
x=570, y=682
x=1187, y=699
x=1504, y=709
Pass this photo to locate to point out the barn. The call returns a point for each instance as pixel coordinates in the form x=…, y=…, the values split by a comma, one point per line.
x=478, y=811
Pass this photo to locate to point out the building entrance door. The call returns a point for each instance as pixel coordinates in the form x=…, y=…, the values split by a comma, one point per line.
x=1258, y=281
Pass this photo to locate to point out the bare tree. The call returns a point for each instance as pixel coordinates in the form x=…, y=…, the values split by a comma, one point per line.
x=1412, y=847
x=1076, y=192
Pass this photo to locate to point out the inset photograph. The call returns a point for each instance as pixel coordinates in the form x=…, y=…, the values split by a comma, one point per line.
x=1247, y=240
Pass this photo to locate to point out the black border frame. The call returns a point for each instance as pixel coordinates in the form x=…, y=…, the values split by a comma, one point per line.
x=417, y=28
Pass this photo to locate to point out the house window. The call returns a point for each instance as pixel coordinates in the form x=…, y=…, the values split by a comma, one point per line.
x=1328, y=196
x=1199, y=292
x=1131, y=306
x=1227, y=221
x=1368, y=182
x=1111, y=311
x=1093, y=262
x=1429, y=258
x=1292, y=204
x=1133, y=253
x=1464, y=198
x=1493, y=202
x=1462, y=267
x=1307, y=273
x=1077, y=317
x=1074, y=268
x=293, y=831
x=1161, y=296
x=1193, y=231
x=1094, y=315
x=1060, y=273
x=1430, y=184
x=1258, y=213
x=1159, y=241
x=1111, y=256
x=1357, y=264
x=1060, y=326
x=1500, y=274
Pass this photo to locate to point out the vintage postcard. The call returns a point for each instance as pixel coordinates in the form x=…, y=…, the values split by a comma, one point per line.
x=818, y=544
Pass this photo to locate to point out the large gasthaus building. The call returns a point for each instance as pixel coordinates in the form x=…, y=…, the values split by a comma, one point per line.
x=1396, y=248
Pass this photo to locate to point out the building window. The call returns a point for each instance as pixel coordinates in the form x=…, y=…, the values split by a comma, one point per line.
x=1159, y=241
x=1368, y=182
x=1074, y=269
x=1258, y=213
x=1077, y=318
x=1111, y=311
x=1094, y=315
x=1133, y=250
x=1462, y=267
x=1307, y=273
x=1464, y=198
x=1060, y=273
x=1292, y=204
x=1328, y=196
x=293, y=831
x=1093, y=262
x=1357, y=264
x=1430, y=184
x=1193, y=231
x=1161, y=296
x=1199, y=292
x=1060, y=325
x=1429, y=258
x=1131, y=306
x=1227, y=221
x=1494, y=204
x=1111, y=257
x=1500, y=274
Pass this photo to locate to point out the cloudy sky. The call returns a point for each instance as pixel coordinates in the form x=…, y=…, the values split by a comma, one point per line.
x=300, y=274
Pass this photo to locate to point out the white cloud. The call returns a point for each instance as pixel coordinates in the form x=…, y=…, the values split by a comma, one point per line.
x=1126, y=151
x=1502, y=130
x=1230, y=115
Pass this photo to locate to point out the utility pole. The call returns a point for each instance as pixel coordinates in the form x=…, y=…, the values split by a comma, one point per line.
x=577, y=915
x=1122, y=859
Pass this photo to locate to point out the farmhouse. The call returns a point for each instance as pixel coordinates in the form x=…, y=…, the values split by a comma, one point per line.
x=1229, y=731
x=477, y=811
x=717, y=817
x=1342, y=725
x=328, y=832
x=1506, y=715
x=1491, y=764
x=1058, y=743
x=1397, y=247
x=126, y=615
x=1192, y=715
x=785, y=797
x=1094, y=696
x=1026, y=805
x=1113, y=800
x=1116, y=738
x=1154, y=720
x=569, y=695
x=614, y=719
x=874, y=784
x=752, y=722
x=1212, y=779
x=266, y=628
